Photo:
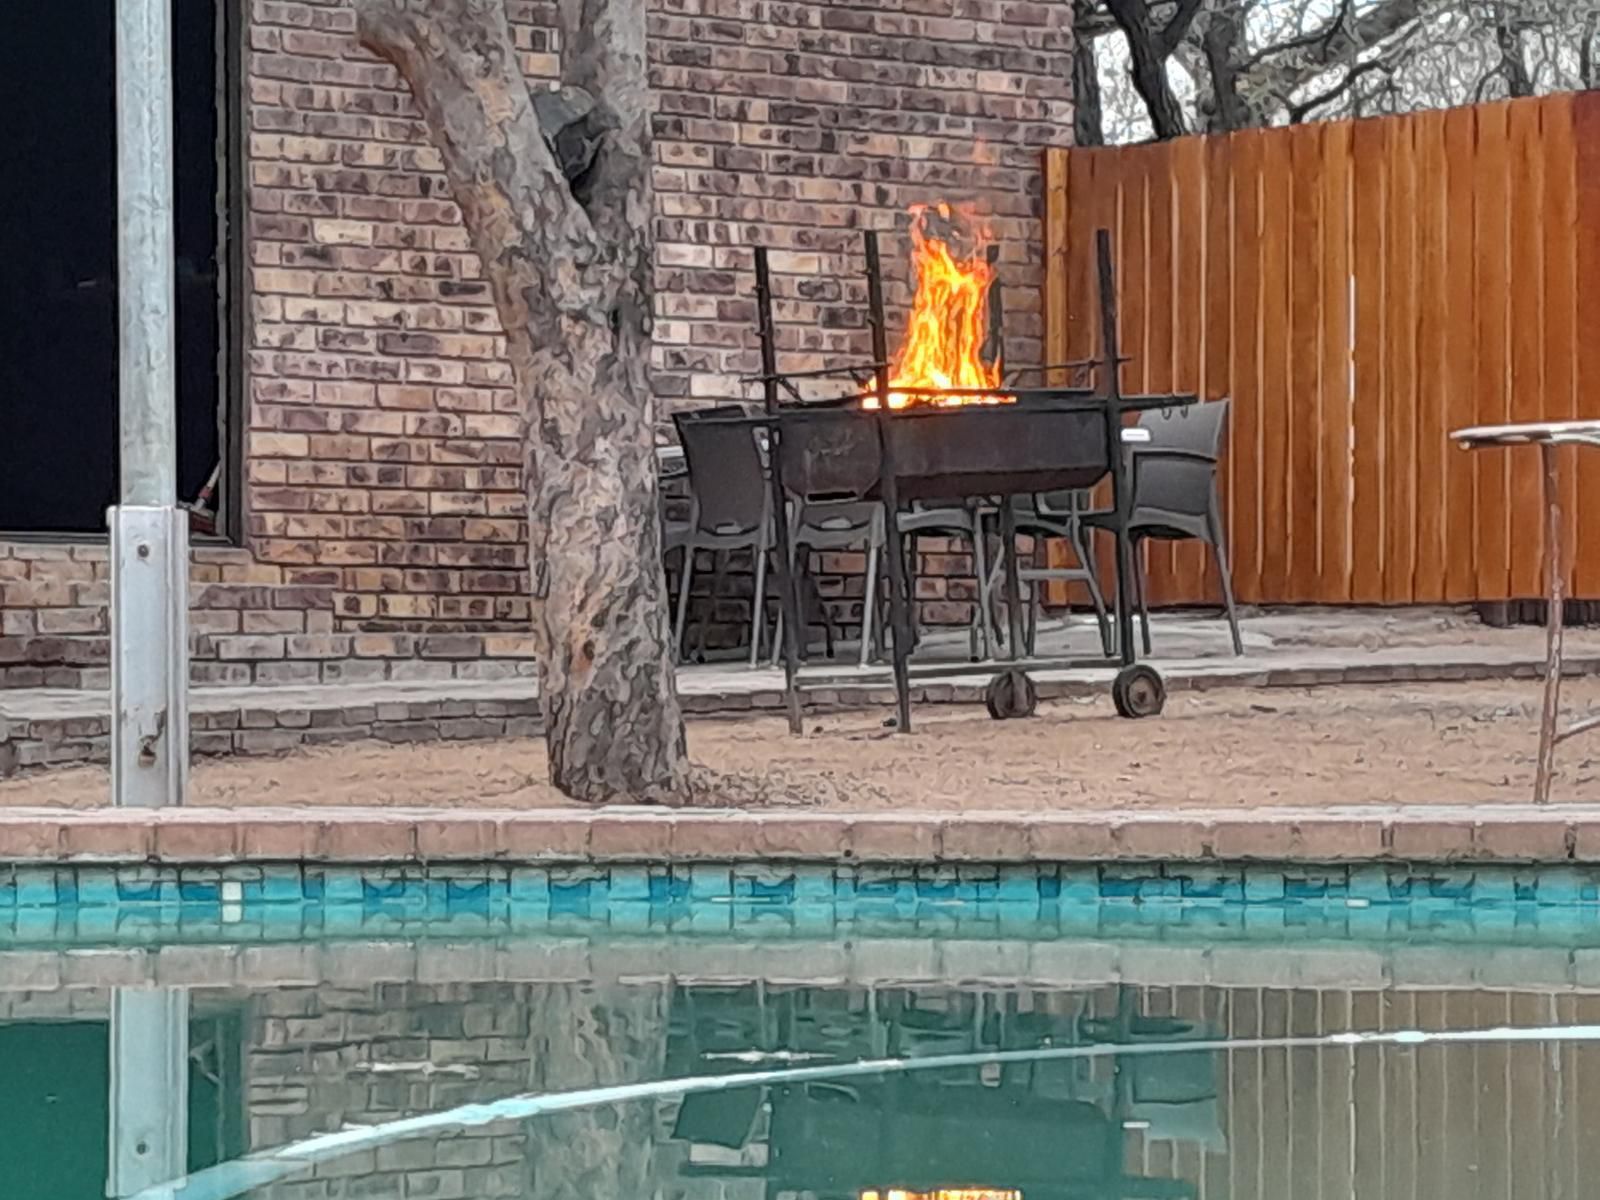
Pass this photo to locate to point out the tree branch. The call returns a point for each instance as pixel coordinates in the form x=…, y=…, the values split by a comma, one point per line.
x=1177, y=28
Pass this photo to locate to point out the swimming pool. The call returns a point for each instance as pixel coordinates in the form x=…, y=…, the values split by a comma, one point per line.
x=955, y=1049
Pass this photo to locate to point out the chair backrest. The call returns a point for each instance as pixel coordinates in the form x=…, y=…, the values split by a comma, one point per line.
x=1180, y=485
x=726, y=476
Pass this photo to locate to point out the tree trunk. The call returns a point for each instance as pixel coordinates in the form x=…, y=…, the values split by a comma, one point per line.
x=1088, y=112
x=1147, y=65
x=585, y=1037
x=569, y=262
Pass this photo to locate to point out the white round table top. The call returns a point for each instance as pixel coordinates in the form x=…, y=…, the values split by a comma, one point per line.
x=1529, y=433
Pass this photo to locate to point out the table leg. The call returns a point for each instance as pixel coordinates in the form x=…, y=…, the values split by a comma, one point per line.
x=1556, y=567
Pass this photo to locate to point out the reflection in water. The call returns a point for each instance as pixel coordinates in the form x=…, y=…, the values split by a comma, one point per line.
x=1073, y=1093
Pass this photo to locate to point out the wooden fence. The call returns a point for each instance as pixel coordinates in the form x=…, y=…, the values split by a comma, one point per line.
x=1359, y=289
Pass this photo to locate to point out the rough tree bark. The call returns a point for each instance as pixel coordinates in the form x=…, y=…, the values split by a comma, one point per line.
x=586, y=1036
x=559, y=212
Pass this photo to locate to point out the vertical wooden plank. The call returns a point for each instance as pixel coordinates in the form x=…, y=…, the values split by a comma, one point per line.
x=1434, y=456
x=1275, y=1097
x=1245, y=1111
x=1159, y=284
x=1586, y=136
x=1459, y=298
x=1217, y=359
x=1369, y=444
x=1245, y=445
x=1527, y=1099
x=1057, y=303
x=1276, y=401
x=1335, y=1100
x=1057, y=243
x=1305, y=1114
x=1559, y=228
x=1338, y=366
x=1491, y=281
x=1526, y=314
x=1492, y=1123
x=1400, y=347
x=1459, y=1101
x=1191, y=208
x=1304, y=336
x=1371, y=1126
x=1400, y=1097
x=1432, y=1133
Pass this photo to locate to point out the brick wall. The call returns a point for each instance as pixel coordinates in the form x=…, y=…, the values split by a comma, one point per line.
x=382, y=457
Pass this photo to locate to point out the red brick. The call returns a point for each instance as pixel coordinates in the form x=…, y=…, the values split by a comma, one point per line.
x=181, y=839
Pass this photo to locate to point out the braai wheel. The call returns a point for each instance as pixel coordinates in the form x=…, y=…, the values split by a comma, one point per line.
x=1011, y=694
x=1138, y=691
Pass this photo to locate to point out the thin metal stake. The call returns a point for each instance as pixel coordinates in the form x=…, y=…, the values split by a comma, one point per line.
x=1121, y=494
x=149, y=532
x=889, y=492
x=1556, y=567
x=788, y=597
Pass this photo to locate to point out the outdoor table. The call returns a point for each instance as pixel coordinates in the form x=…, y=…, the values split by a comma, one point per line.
x=1547, y=435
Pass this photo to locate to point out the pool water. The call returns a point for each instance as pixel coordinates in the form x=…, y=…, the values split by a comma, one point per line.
x=361, y=1069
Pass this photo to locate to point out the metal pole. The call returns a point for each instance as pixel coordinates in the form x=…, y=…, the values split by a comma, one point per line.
x=889, y=492
x=149, y=532
x=149, y=1090
x=1555, y=621
x=1121, y=493
x=788, y=597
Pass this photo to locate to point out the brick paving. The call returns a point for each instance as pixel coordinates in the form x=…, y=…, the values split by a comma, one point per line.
x=51, y=727
x=1510, y=833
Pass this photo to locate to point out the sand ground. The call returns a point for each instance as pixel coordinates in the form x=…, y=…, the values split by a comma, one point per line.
x=1459, y=743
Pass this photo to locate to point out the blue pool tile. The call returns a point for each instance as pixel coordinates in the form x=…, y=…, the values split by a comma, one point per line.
x=812, y=917
x=1018, y=885
x=1450, y=883
x=343, y=887
x=1494, y=886
x=814, y=886
x=199, y=893
x=313, y=884
x=38, y=924
x=67, y=887
x=1305, y=887
x=1369, y=883
x=710, y=882
x=1263, y=885
x=530, y=885
x=1079, y=885
x=8, y=888
x=776, y=891
x=668, y=889
x=1160, y=890
x=97, y=889
x=1564, y=886
x=281, y=885
x=568, y=898
x=36, y=887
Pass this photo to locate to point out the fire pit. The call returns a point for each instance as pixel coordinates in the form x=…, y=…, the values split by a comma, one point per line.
x=941, y=423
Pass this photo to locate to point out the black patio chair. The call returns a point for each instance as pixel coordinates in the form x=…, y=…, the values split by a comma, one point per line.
x=1056, y=515
x=730, y=509
x=1175, y=496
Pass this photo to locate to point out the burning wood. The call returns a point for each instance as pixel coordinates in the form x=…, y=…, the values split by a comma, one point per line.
x=949, y=324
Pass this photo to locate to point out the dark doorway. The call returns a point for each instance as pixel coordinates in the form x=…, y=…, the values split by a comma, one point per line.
x=58, y=259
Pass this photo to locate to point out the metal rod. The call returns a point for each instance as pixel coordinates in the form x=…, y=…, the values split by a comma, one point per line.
x=1556, y=567
x=149, y=1095
x=1008, y=548
x=889, y=491
x=788, y=598
x=149, y=532
x=145, y=283
x=852, y=370
x=1121, y=497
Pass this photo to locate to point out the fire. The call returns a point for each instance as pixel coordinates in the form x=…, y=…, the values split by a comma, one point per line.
x=944, y=338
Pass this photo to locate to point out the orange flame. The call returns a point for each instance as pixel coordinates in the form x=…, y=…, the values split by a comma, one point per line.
x=944, y=338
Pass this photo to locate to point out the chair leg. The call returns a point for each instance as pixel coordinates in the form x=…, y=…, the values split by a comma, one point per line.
x=1225, y=570
x=682, y=614
x=1139, y=595
x=1097, y=597
x=758, y=606
x=868, y=599
x=980, y=566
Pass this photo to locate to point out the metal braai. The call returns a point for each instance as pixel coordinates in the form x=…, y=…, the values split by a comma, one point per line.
x=943, y=421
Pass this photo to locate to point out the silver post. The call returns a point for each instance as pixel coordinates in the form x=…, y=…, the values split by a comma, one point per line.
x=149, y=533
x=149, y=1143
